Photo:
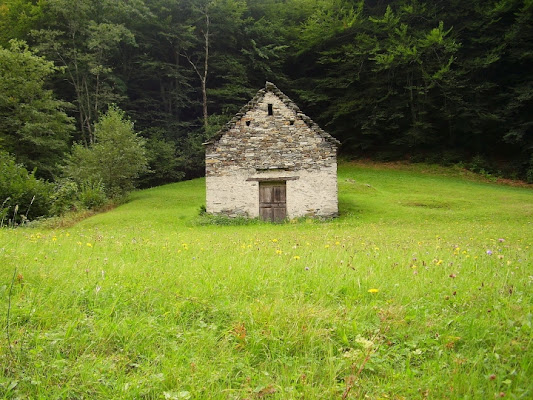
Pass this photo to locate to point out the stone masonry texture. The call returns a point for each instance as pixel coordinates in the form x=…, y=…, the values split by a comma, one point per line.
x=286, y=146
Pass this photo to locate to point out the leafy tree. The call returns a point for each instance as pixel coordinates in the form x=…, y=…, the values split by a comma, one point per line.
x=116, y=158
x=86, y=36
x=18, y=18
x=446, y=80
x=33, y=124
x=164, y=166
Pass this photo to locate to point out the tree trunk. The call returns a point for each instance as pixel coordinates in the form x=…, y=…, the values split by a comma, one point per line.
x=206, y=64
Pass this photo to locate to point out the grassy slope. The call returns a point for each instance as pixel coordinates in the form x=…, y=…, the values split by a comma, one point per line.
x=140, y=302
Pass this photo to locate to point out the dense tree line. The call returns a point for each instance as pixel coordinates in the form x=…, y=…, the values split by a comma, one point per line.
x=443, y=81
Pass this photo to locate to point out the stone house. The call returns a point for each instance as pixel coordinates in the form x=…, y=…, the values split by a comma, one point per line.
x=271, y=161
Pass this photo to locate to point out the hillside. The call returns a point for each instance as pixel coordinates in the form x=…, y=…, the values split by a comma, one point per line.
x=420, y=289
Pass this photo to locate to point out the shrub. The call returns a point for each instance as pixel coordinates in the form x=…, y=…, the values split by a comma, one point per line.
x=116, y=159
x=529, y=172
x=64, y=197
x=22, y=196
x=480, y=165
x=92, y=194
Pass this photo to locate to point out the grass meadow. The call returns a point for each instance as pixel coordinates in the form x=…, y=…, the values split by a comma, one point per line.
x=421, y=289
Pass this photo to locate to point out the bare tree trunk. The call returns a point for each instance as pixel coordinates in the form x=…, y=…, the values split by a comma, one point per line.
x=204, y=79
x=203, y=75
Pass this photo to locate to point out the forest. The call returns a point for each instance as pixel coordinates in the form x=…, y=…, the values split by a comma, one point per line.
x=100, y=96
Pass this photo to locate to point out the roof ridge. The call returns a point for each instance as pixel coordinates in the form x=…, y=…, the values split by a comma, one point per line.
x=270, y=87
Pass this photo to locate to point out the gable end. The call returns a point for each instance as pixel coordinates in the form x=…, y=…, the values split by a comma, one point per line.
x=270, y=87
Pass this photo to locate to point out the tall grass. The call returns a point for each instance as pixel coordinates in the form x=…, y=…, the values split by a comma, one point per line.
x=421, y=289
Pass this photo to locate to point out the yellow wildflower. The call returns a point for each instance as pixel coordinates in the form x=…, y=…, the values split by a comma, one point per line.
x=373, y=290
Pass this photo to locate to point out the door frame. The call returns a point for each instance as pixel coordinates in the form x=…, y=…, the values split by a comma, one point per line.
x=277, y=209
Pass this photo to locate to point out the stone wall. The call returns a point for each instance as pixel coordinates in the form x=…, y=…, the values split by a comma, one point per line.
x=309, y=193
x=269, y=142
x=285, y=146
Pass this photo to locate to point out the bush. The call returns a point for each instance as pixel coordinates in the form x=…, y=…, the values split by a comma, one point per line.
x=92, y=194
x=116, y=159
x=22, y=196
x=64, y=197
x=529, y=172
x=480, y=165
x=69, y=196
x=162, y=162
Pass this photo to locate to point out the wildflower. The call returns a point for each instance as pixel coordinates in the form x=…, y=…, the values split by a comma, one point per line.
x=337, y=243
x=307, y=268
x=275, y=240
x=373, y=290
x=296, y=257
x=89, y=245
x=367, y=344
x=501, y=240
x=78, y=243
x=489, y=252
x=54, y=238
x=278, y=251
x=500, y=256
x=414, y=266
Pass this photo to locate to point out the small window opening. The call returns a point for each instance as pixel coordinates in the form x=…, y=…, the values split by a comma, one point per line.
x=292, y=122
x=270, y=110
x=247, y=123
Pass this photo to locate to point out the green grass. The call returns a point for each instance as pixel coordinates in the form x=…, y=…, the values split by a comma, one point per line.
x=142, y=302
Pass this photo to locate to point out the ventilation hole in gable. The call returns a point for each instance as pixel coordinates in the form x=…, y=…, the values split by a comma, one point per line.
x=247, y=123
x=292, y=122
x=270, y=110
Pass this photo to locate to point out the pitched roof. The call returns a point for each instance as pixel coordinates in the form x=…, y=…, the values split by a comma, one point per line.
x=270, y=87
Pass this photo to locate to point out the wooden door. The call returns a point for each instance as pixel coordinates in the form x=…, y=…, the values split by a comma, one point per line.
x=272, y=201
